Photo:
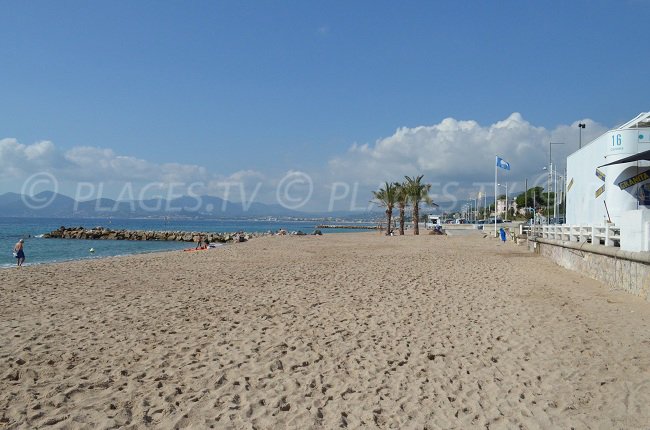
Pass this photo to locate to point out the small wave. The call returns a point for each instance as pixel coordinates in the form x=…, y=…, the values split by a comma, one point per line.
x=87, y=257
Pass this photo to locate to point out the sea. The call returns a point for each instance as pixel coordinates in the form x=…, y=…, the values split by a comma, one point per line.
x=39, y=250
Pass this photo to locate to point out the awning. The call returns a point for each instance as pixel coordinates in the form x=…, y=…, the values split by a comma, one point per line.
x=645, y=155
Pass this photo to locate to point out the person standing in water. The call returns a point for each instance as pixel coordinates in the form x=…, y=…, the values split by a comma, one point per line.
x=20, y=252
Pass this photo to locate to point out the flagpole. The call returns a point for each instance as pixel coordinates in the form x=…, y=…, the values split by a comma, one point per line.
x=495, y=196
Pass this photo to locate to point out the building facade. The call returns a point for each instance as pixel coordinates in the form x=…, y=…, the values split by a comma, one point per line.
x=608, y=183
x=597, y=194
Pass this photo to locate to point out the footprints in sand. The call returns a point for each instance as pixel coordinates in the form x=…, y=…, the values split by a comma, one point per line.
x=318, y=335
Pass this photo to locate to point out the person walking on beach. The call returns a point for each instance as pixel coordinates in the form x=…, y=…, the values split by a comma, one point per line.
x=20, y=252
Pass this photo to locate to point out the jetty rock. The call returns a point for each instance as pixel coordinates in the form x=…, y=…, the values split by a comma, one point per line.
x=102, y=233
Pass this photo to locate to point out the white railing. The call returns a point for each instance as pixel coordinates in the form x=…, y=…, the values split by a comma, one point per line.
x=608, y=235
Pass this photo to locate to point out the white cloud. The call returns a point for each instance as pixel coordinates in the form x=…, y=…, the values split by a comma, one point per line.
x=460, y=151
x=17, y=159
x=457, y=152
x=103, y=166
x=90, y=164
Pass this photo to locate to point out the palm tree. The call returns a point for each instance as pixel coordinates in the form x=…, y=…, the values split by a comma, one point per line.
x=417, y=192
x=386, y=197
x=402, y=201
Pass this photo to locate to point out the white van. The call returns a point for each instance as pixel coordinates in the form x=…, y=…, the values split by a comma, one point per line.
x=433, y=221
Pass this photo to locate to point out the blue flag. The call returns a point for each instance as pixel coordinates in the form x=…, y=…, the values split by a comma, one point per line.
x=502, y=163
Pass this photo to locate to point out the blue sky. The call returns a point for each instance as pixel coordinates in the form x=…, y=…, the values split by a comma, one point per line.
x=267, y=87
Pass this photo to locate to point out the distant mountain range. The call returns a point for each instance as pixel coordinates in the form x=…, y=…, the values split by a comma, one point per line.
x=49, y=204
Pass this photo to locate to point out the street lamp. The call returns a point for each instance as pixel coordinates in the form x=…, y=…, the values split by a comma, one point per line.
x=562, y=189
x=550, y=177
x=506, y=187
x=554, y=175
x=580, y=127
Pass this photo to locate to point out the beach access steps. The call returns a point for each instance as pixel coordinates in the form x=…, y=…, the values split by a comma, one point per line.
x=608, y=235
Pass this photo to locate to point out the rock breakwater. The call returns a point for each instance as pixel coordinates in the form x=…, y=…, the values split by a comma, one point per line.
x=102, y=233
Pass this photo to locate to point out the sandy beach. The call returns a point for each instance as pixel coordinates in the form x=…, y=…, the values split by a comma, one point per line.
x=345, y=330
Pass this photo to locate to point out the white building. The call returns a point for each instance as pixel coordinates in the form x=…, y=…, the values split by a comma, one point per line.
x=501, y=206
x=608, y=181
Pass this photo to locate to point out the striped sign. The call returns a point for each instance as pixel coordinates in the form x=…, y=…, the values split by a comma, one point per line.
x=568, y=188
x=600, y=175
x=600, y=190
x=643, y=176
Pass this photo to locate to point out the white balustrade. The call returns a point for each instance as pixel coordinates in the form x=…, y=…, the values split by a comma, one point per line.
x=608, y=235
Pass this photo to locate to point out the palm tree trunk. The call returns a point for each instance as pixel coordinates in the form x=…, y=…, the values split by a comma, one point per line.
x=416, y=218
x=389, y=214
x=401, y=220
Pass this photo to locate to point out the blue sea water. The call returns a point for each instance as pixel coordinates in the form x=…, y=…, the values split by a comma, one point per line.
x=40, y=250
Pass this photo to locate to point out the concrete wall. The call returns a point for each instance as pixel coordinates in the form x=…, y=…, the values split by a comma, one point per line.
x=582, y=207
x=628, y=271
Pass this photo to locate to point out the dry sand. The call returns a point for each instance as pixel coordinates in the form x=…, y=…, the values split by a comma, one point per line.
x=347, y=330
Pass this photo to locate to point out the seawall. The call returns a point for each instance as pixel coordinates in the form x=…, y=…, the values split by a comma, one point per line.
x=627, y=271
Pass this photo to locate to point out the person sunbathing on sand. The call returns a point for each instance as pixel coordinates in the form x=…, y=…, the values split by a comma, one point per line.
x=199, y=244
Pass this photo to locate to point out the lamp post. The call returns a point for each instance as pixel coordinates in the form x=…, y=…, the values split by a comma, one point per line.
x=506, y=187
x=485, y=207
x=526, y=199
x=580, y=127
x=550, y=175
x=555, y=175
x=562, y=190
x=534, y=205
